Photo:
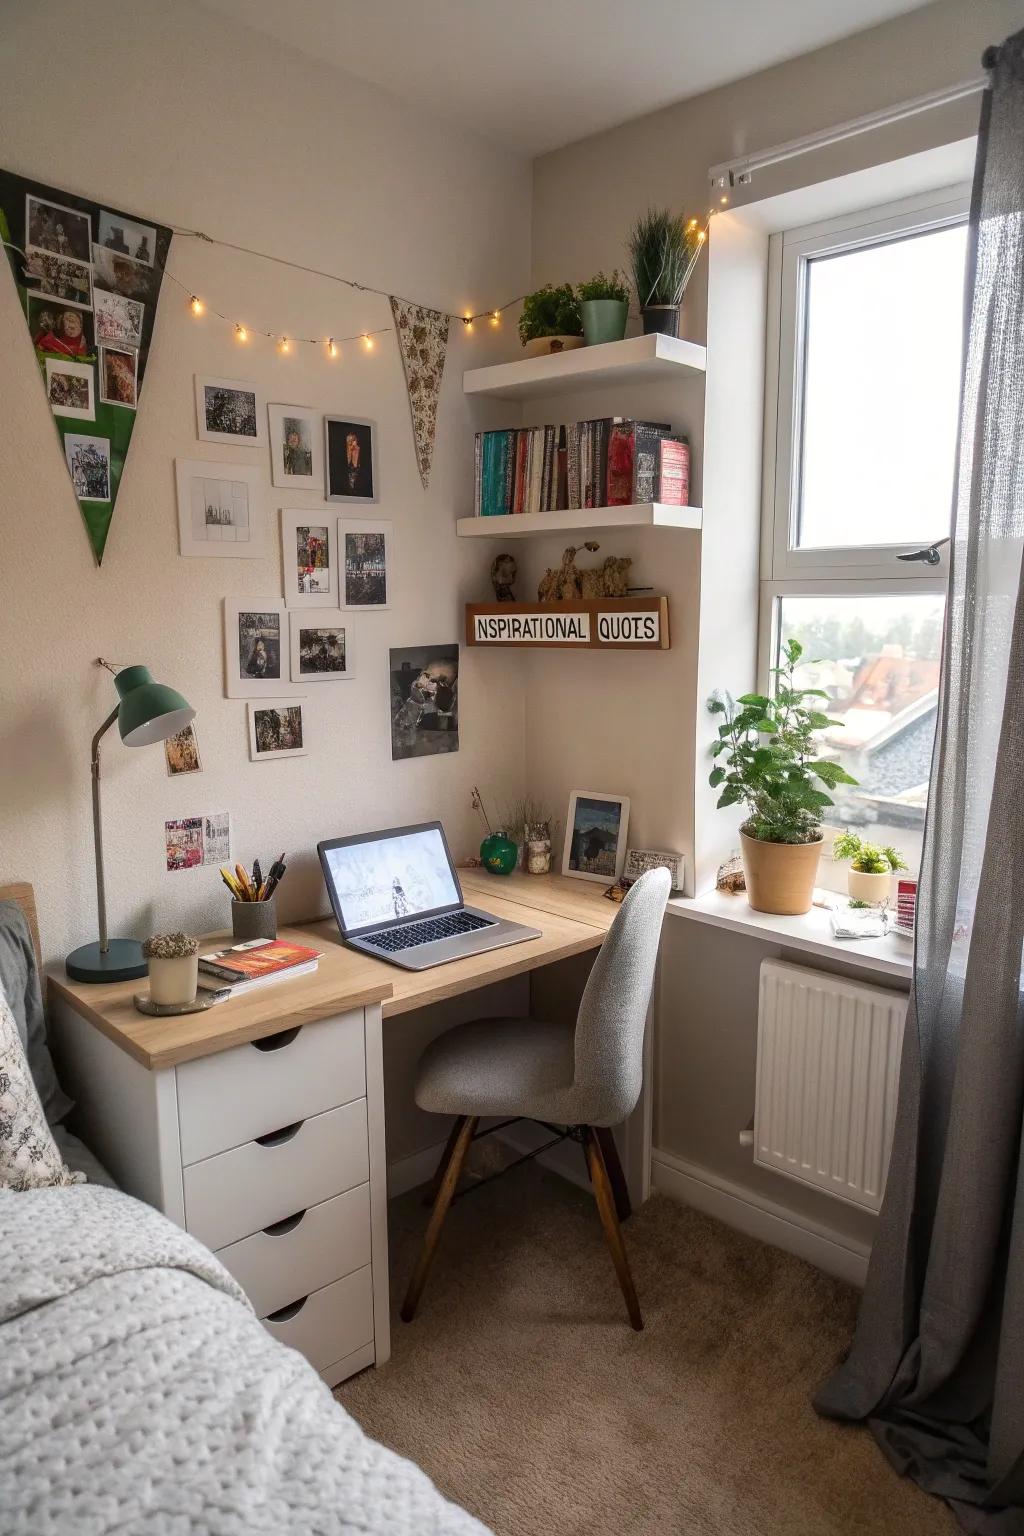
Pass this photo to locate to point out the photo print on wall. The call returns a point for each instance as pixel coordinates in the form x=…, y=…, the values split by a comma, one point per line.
x=296, y=447
x=321, y=647
x=181, y=752
x=69, y=389
x=220, y=511
x=255, y=648
x=276, y=729
x=364, y=555
x=424, y=700
x=350, y=455
x=230, y=411
x=309, y=558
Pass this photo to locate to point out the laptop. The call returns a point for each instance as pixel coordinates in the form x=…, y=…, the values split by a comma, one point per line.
x=396, y=895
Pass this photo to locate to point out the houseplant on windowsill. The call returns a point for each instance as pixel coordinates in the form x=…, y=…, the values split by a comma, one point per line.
x=768, y=760
x=550, y=321
x=664, y=252
x=871, y=867
x=604, y=304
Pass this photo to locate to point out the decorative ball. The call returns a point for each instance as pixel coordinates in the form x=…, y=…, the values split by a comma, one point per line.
x=499, y=854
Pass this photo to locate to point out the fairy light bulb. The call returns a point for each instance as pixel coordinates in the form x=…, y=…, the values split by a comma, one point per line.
x=496, y=317
x=241, y=334
x=368, y=342
x=702, y=237
x=332, y=347
x=467, y=320
x=284, y=345
x=196, y=305
x=724, y=202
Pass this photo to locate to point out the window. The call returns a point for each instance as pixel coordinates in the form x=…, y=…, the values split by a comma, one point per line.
x=865, y=338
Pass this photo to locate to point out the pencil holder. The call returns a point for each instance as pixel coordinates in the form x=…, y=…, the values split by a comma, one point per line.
x=254, y=920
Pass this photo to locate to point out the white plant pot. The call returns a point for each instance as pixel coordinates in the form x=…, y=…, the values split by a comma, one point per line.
x=870, y=888
x=173, y=981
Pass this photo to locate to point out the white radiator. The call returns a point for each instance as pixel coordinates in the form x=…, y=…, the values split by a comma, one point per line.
x=828, y=1059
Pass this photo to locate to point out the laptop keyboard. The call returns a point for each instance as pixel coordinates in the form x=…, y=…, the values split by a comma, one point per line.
x=427, y=931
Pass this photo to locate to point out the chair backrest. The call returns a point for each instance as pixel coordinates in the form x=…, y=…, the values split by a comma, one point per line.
x=609, y=1064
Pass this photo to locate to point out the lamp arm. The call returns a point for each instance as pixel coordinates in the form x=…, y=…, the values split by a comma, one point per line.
x=97, y=829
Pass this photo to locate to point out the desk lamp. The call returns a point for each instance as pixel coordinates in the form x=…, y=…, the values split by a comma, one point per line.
x=148, y=712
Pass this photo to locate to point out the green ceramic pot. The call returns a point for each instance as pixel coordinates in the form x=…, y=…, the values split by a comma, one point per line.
x=603, y=320
x=499, y=854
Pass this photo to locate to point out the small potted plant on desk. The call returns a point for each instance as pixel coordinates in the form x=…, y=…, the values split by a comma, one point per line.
x=769, y=760
x=871, y=867
x=604, y=304
x=664, y=253
x=551, y=321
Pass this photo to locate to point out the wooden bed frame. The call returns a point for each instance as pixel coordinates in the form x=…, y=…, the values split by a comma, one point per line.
x=21, y=892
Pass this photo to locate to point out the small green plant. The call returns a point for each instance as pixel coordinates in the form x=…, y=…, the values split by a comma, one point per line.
x=601, y=287
x=857, y=906
x=867, y=858
x=771, y=760
x=550, y=312
x=664, y=251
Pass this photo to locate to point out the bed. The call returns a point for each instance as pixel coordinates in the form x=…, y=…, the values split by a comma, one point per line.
x=138, y=1391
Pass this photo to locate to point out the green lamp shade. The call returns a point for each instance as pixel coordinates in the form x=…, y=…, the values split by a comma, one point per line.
x=149, y=711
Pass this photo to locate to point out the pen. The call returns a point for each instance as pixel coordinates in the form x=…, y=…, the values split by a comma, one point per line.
x=257, y=877
x=243, y=880
x=232, y=884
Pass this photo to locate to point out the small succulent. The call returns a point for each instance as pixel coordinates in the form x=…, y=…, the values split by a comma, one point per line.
x=170, y=946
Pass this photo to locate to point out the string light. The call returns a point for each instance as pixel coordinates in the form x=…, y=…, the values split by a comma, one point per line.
x=241, y=334
x=284, y=345
x=196, y=306
x=332, y=347
x=496, y=317
x=367, y=341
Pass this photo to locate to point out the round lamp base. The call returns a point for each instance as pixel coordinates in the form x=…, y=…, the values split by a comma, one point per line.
x=123, y=961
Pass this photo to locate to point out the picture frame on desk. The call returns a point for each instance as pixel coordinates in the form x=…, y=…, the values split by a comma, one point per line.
x=596, y=825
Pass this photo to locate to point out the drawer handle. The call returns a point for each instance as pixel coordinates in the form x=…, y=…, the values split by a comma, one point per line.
x=277, y=1138
x=277, y=1042
x=285, y=1314
x=279, y=1228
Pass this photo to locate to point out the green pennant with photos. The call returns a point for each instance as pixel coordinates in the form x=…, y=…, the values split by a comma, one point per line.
x=89, y=279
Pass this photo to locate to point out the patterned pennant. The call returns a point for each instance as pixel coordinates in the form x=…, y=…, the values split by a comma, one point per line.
x=88, y=278
x=423, y=343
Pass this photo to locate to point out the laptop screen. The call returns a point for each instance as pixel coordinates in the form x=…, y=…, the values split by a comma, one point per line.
x=387, y=878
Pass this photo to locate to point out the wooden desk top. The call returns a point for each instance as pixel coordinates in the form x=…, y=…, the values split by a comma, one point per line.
x=573, y=916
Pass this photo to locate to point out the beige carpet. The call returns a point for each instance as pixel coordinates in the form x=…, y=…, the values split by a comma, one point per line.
x=526, y=1397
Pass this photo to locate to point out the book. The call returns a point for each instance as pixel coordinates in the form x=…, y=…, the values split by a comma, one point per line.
x=631, y=466
x=519, y=488
x=673, y=485
x=258, y=961
x=221, y=990
x=478, y=442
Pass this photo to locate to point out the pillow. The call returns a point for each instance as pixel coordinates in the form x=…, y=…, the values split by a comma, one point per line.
x=19, y=978
x=29, y=1158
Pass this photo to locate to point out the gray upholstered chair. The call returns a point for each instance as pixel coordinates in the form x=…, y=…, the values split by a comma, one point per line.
x=584, y=1077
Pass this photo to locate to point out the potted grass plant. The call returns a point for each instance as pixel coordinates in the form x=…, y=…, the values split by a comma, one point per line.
x=872, y=867
x=604, y=306
x=551, y=321
x=664, y=252
x=767, y=758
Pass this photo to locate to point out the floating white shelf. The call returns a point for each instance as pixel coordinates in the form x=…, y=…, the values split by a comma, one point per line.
x=637, y=360
x=523, y=525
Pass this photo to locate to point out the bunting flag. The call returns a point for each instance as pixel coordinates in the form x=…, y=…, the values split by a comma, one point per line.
x=423, y=343
x=89, y=279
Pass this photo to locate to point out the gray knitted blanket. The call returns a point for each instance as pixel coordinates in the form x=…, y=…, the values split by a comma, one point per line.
x=139, y=1394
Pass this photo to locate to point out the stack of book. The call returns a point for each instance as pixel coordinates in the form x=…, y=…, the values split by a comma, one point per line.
x=610, y=461
x=231, y=972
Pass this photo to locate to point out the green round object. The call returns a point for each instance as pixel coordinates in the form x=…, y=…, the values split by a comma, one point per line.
x=499, y=854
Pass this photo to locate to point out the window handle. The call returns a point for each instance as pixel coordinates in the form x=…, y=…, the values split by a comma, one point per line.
x=929, y=555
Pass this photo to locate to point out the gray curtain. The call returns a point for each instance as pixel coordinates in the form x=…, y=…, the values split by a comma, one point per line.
x=937, y=1363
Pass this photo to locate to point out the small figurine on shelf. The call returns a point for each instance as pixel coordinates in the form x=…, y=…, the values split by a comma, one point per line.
x=503, y=575
x=498, y=853
x=571, y=581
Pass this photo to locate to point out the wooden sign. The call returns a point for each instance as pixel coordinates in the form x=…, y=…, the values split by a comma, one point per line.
x=595, y=624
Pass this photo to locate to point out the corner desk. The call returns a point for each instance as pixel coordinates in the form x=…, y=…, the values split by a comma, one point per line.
x=258, y=1124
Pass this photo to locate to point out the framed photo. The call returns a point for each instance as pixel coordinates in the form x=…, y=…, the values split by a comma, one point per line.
x=69, y=389
x=88, y=460
x=181, y=752
x=118, y=320
x=119, y=376
x=364, y=564
x=296, y=447
x=52, y=227
x=309, y=549
x=255, y=648
x=220, y=509
x=127, y=237
x=321, y=646
x=640, y=860
x=58, y=329
x=230, y=411
x=61, y=277
x=595, y=835
x=121, y=274
x=276, y=729
x=350, y=456
x=424, y=700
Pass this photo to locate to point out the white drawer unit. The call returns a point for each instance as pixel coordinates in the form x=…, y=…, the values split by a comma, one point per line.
x=269, y=1150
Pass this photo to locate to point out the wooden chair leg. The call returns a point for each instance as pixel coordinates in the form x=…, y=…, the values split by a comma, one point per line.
x=616, y=1177
x=449, y=1147
x=466, y=1125
x=610, y=1222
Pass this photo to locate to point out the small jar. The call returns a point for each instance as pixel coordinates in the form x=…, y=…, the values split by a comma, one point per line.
x=538, y=855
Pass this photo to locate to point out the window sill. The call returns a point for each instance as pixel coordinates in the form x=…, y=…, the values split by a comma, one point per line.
x=892, y=955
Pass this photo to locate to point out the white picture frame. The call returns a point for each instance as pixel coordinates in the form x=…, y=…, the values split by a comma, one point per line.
x=353, y=575
x=256, y=649
x=82, y=373
x=230, y=400
x=309, y=428
x=221, y=512
x=326, y=623
x=290, y=709
x=307, y=582
x=586, y=808
x=639, y=861
x=362, y=487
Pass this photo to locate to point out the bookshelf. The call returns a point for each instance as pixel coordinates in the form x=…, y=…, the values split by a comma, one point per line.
x=578, y=520
x=637, y=360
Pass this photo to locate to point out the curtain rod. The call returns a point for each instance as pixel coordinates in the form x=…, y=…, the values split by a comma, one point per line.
x=738, y=173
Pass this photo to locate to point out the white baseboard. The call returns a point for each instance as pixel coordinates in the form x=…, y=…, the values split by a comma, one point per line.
x=737, y=1207
x=407, y=1172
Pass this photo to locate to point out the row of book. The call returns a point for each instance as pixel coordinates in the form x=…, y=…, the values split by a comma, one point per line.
x=610, y=461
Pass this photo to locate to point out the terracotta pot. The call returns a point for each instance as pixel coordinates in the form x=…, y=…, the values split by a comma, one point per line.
x=540, y=346
x=780, y=876
x=865, y=887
